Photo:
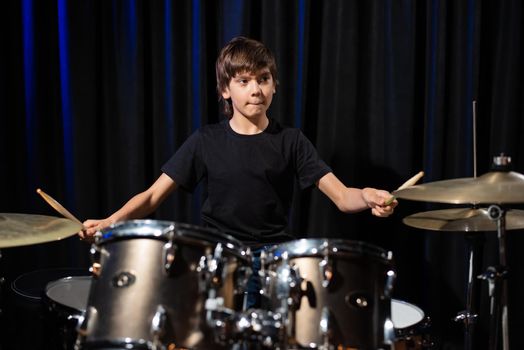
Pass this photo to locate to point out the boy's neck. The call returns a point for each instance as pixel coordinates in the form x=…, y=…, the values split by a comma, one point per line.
x=245, y=126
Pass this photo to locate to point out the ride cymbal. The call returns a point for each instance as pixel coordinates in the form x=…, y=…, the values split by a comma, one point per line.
x=26, y=229
x=463, y=220
x=497, y=187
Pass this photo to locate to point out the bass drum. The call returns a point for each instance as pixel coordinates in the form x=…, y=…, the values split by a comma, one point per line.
x=332, y=293
x=151, y=281
x=411, y=326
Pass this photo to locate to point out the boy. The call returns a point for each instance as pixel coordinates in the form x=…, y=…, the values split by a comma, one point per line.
x=248, y=163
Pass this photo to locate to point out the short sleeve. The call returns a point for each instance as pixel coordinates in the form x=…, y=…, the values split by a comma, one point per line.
x=186, y=167
x=310, y=168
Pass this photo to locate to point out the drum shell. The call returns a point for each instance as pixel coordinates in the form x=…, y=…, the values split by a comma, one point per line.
x=358, y=271
x=119, y=314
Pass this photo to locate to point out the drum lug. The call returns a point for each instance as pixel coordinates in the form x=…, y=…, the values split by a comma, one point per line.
x=86, y=321
x=96, y=267
x=389, y=333
x=295, y=289
x=326, y=266
x=288, y=289
x=169, y=255
x=326, y=271
x=215, y=266
x=243, y=274
x=158, y=325
x=324, y=327
x=210, y=268
x=390, y=280
x=264, y=274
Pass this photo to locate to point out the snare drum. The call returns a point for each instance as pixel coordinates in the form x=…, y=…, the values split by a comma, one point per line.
x=65, y=301
x=151, y=281
x=411, y=326
x=332, y=293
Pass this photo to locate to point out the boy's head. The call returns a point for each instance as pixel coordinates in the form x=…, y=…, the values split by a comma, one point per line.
x=241, y=55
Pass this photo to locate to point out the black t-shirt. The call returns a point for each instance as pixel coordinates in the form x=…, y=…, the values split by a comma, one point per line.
x=247, y=180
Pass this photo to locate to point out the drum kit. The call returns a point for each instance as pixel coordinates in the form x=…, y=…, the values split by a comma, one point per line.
x=164, y=285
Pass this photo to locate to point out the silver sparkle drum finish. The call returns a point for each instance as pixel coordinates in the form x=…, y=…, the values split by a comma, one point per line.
x=331, y=293
x=151, y=280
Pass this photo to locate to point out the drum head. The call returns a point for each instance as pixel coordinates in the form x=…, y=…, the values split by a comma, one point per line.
x=71, y=292
x=404, y=314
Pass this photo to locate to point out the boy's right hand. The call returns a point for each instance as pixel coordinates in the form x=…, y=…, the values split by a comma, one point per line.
x=92, y=226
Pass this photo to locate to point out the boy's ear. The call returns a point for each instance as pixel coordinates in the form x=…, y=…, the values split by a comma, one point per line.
x=226, y=94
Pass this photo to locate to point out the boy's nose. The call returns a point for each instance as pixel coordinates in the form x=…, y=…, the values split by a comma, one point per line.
x=255, y=88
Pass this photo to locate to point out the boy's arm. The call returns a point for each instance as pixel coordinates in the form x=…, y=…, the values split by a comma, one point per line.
x=137, y=207
x=351, y=200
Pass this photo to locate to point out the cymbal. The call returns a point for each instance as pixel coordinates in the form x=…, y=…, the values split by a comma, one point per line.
x=463, y=220
x=26, y=229
x=497, y=187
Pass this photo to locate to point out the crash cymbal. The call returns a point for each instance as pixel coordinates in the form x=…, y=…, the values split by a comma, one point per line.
x=497, y=187
x=26, y=229
x=463, y=220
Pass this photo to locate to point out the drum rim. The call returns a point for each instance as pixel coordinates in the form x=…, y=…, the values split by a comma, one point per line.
x=311, y=247
x=68, y=272
x=178, y=231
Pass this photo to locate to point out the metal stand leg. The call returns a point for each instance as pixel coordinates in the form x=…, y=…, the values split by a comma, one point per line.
x=475, y=244
x=496, y=276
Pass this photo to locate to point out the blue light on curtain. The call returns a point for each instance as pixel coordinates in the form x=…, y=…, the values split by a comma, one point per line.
x=388, y=60
x=67, y=114
x=469, y=85
x=129, y=67
x=431, y=105
x=196, y=84
x=29, y=87
x=233, y=10
x=195, y=64
x=300, y=63
x=132, y=29
x=169, y=78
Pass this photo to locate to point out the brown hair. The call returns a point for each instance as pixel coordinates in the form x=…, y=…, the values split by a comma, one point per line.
x=240, y=55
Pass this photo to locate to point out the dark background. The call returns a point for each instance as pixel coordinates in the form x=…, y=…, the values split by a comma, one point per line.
x=96, y=95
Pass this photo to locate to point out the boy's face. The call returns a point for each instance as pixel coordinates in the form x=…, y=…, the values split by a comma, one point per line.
x=251, y=93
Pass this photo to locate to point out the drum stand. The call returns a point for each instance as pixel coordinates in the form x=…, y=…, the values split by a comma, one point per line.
x=475, y=243
x=496, y=277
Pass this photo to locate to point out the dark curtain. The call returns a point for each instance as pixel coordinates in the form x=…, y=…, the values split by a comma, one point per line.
x=96, y=95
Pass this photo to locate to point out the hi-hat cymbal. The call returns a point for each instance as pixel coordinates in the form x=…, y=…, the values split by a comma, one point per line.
x=497, y=187
x=26, y=229
x=463, y=220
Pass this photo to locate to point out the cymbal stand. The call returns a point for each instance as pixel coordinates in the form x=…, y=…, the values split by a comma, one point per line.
x=496, y=277
x=475, y=242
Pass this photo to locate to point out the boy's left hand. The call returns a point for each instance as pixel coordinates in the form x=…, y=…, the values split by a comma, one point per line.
x=379, y=201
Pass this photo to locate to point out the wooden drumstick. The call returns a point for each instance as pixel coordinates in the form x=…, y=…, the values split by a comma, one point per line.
x=57, y=206
x=406, y=184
